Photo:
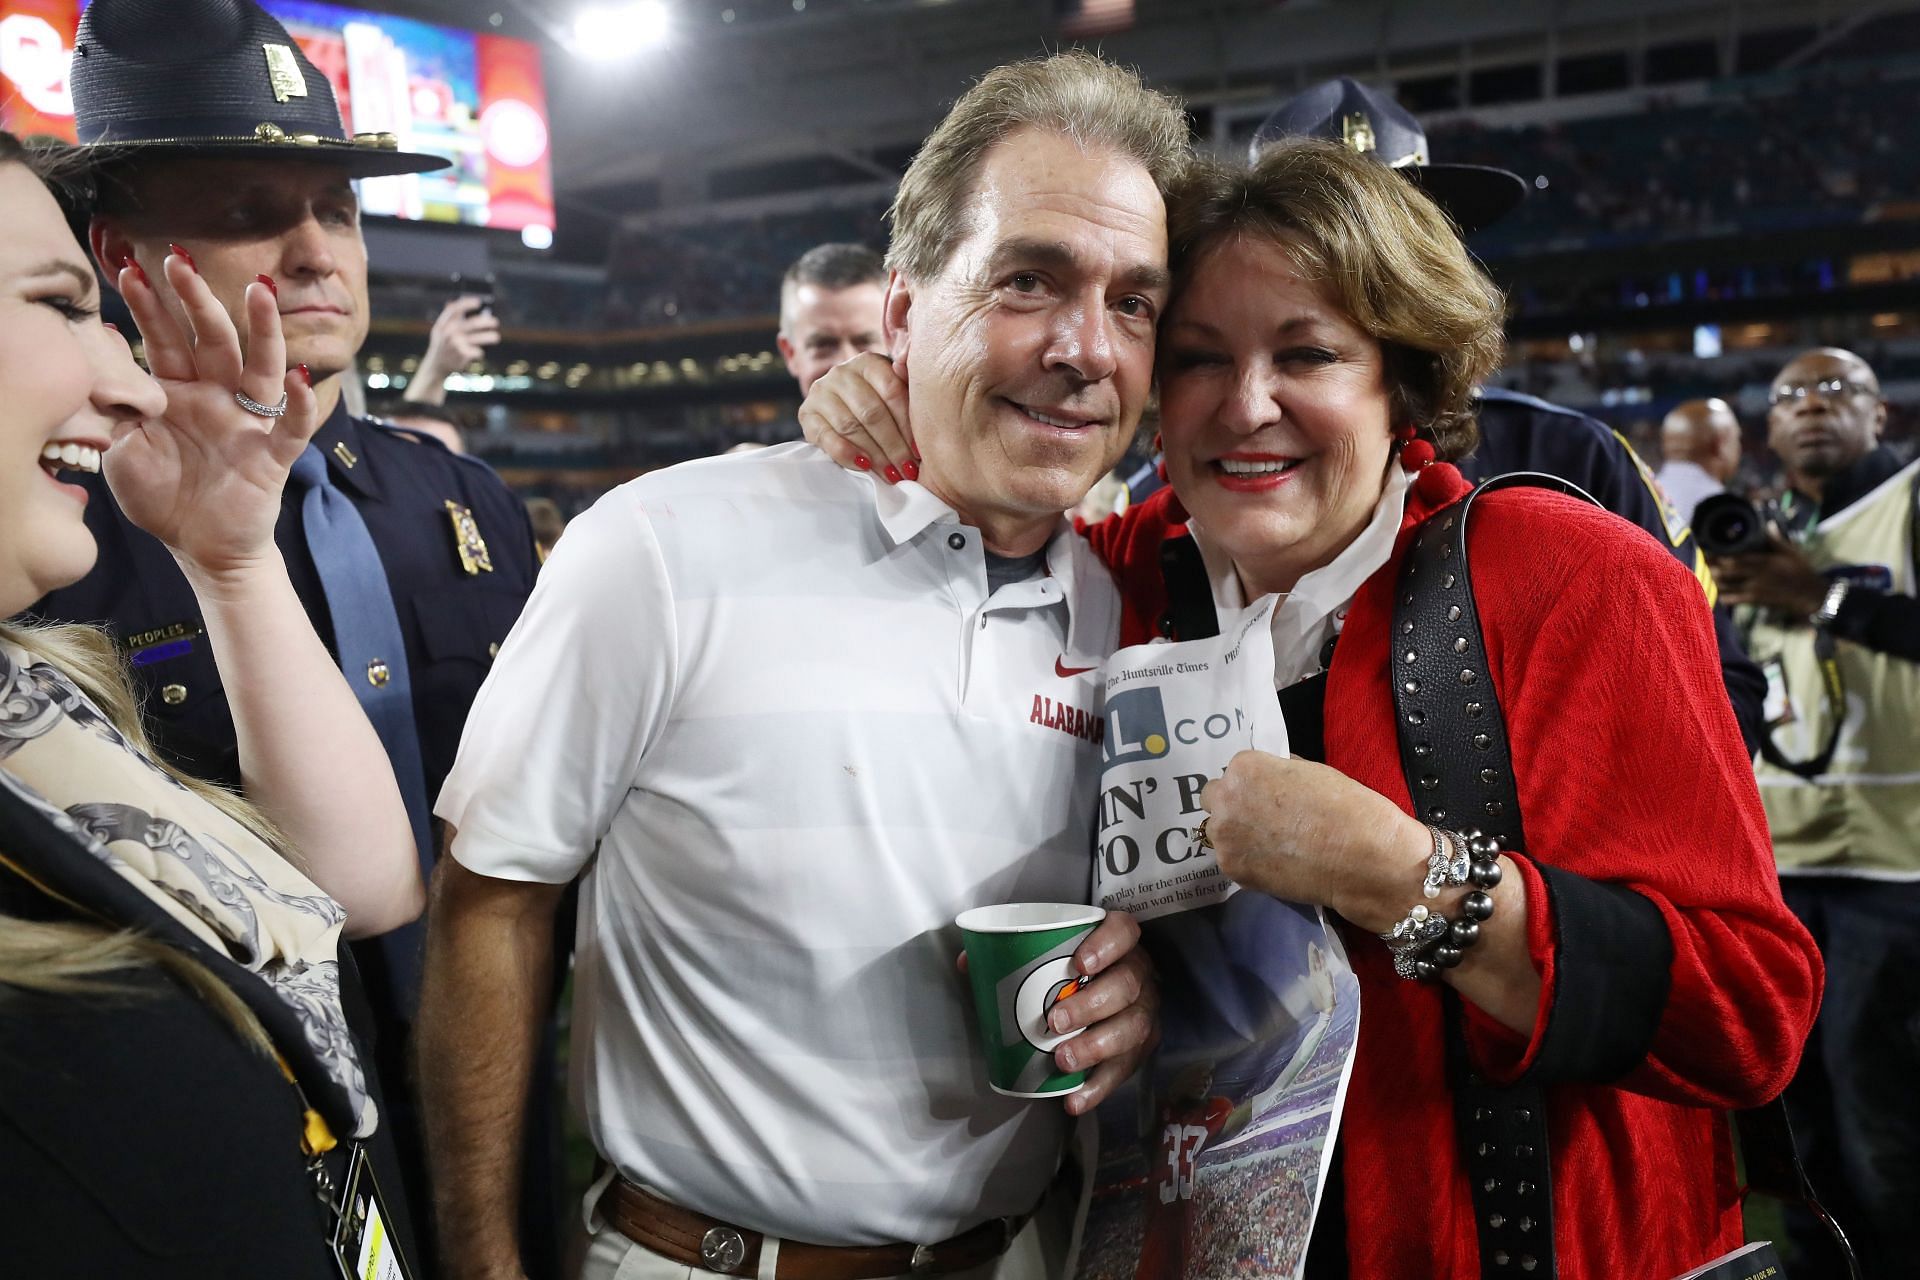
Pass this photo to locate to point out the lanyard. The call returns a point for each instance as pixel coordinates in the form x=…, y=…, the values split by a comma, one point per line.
x=1835, y=694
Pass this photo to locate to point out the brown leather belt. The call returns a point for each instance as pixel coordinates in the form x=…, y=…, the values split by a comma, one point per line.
x=695, y=1240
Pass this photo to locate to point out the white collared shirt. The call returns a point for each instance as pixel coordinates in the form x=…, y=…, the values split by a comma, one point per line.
x=778, y=701
x=1685, y=484
x=1315, y=610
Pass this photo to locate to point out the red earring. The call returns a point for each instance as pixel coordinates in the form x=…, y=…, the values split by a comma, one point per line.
x=1415, y=453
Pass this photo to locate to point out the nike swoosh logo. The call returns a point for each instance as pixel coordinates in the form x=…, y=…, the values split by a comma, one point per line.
x=1065, y=672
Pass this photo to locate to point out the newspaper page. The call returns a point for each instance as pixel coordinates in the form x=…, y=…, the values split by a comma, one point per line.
x=1211, y=1159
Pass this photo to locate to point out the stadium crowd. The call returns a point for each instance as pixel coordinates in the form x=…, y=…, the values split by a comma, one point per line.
x=1739, y=163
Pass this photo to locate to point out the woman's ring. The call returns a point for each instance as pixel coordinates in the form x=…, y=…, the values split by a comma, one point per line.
x=259, y=410
x=1200, y=838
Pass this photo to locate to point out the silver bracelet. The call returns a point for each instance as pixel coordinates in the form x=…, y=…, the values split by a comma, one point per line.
x=1425, y=943
x=1448, y=865
x=1409, y=940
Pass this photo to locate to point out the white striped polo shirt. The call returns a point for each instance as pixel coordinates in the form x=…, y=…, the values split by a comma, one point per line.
x=776, y=699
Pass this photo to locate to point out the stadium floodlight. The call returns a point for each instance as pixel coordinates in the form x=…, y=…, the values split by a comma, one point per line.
x=607, y=33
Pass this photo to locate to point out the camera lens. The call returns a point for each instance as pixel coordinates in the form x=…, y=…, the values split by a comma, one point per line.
x=1727, y=524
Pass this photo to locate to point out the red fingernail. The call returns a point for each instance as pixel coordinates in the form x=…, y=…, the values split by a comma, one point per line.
x=272, y=288
x=306, y=374
x=110, y=326
x=129, y=264
x=892, y=474
x=863, y=462
x=912, y=469
x=183, y=255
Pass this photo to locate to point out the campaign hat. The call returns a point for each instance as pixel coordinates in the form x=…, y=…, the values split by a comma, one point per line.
x=213, y=78
x=1371, y=123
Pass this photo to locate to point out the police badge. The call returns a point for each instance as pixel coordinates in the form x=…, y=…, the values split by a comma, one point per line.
x=474, y=557
x=283, y=73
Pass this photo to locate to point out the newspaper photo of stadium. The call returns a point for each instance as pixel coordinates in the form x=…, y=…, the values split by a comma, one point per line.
x=1210, y=1165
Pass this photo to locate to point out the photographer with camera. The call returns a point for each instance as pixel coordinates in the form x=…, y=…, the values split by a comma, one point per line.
x=1824, y=582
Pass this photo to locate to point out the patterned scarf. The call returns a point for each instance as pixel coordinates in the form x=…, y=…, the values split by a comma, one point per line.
x=220, y=881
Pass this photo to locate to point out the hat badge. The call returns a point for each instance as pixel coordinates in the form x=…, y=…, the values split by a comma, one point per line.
x=283, y=73
x=1356, y=131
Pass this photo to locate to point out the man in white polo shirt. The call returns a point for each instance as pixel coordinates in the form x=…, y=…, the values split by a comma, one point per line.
x=781, y=716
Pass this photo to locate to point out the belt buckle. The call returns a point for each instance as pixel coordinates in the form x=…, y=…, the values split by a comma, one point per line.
x=722, y=1249
x=922, y=1261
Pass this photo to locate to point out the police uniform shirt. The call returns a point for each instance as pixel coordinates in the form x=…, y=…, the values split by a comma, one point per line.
x=1523, y=433
x=453, y=610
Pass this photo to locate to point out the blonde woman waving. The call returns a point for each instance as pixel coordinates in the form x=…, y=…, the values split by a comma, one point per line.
x=181, y=1085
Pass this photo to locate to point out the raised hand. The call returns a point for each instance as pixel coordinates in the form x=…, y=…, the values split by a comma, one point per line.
x=461, y=334
x=206, y=477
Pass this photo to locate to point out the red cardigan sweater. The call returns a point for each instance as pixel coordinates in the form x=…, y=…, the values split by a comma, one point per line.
x=1631, y=775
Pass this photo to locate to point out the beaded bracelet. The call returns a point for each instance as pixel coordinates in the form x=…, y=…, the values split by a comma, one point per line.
x=1424, y=943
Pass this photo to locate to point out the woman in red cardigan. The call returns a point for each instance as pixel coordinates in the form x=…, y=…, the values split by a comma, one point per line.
x=1316, y=368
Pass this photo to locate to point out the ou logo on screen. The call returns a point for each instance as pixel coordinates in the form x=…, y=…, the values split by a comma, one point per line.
x=514, y=132
x=34, y=56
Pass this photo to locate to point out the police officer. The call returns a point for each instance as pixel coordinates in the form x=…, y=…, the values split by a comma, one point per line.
x=1517, y=432
x=412, y=562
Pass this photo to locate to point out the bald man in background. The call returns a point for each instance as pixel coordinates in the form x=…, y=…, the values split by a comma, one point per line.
x=1700, y=445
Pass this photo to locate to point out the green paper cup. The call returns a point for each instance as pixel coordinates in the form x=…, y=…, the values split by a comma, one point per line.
x=1020, y=961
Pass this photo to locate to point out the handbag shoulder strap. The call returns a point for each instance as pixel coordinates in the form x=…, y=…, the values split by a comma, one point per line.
x=1453, y=737
x=1459, y=770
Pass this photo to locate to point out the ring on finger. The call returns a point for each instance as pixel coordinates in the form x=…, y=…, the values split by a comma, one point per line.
x=259, y=410
x=1201, y=840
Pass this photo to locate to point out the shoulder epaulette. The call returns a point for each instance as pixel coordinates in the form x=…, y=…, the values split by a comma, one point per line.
x=420, y=437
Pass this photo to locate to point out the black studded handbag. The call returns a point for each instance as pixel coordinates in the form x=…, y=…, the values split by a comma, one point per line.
x=1459, y=770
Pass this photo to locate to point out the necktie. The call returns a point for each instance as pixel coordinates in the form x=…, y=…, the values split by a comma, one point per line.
x=373, y=657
